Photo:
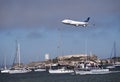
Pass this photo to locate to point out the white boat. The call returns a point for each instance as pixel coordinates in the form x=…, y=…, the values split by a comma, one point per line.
x=92, y=71
x=100, y=71
x=110, y=67
x=39, y=70
x=18, y=68
x=60, y=71
x=82, y=72
x=5, y=70
x=22, y=70
x=115, y=64
x=88, y=69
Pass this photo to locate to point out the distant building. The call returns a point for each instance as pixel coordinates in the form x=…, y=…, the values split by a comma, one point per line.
x=69, y=56
x=47, y=57
x=74, y=59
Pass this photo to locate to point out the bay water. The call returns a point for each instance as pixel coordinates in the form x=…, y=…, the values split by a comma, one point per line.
x=46, y=77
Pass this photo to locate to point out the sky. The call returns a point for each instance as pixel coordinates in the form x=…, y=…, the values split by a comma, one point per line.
x=36, y=24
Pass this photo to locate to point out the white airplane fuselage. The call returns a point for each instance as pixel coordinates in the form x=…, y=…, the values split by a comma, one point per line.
x=76, y=23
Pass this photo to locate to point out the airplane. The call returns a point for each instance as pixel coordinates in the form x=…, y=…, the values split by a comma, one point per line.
x=76, y=23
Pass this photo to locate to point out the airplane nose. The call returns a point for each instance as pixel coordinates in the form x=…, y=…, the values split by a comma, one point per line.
x=63, y=21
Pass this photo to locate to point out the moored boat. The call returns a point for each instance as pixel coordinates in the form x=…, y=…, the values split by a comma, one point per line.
x=5, y=71
x=100, y=71
x=39, y=70
x=60, y=71
x=19, y=70
x=92, y=71
x=86, y=68
x=115, y=64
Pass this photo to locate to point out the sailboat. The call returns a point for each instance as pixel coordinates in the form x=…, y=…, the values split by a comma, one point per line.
x=5, y=70
x=114, y=64
x=87, y=68
x=40, y=69
x=18, y=68
x=62, y=70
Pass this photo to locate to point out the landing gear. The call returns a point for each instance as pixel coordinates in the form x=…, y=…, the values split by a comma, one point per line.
x=84, y=25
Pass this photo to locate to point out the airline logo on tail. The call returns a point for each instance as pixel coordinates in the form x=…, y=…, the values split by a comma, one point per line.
x=76, y=23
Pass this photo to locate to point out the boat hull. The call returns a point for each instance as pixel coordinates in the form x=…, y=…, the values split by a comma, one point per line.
x=59, y=71
x=18, y=71
x=92, y=71
x=39, y=70
x=5, y=71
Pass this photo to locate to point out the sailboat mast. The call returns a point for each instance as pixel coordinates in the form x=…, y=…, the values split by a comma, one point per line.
x=114, y=52
x=5, y=62
x=86, y=49
x=18, y=53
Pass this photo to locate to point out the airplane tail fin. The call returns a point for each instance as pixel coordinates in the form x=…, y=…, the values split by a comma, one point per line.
x=87, y=19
